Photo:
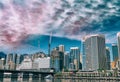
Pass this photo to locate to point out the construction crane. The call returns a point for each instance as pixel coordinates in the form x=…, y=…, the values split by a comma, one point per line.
x=38, y=43
x=49, y=44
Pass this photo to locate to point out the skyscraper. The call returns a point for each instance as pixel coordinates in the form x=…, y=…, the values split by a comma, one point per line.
x=95, y=52
x=108, y=67
x=19, y=60
x=75, y=57
x=83, y=55
x=11, y=59
x=115, y=52
x=57, y=59
x=118, y=37
x=61, y=48
x=2, y=62
x=66, y=61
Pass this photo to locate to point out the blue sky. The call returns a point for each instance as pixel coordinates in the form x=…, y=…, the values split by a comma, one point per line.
x=23, y=21
x=36, y=43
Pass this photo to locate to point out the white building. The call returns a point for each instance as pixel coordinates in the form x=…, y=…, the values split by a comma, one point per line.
x=118, y=40
x=117, y=64
x=95, y=52
x=41, y=63
x=26, y=64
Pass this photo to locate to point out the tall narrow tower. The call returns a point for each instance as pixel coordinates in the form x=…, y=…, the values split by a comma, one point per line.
x=38, y=43
x=115, y=52
x=118, y=40
x=83, y=54
x=49, y=44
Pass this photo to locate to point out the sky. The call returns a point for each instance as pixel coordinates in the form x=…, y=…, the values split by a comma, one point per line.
x=22, y=20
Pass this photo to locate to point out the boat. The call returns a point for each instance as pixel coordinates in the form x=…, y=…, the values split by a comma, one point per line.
x=49, y=77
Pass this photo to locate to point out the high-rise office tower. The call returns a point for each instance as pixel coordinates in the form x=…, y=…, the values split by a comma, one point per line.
x=95, y=52
x=19, y=59
x=57, y=59
x=80, y=66
x=2, y=62
x=75, y=57
x=115, y=52
x=108, y=67
x=118, y=40
x=66, y=61
x=61, y=48
x=15, y=58
x=83, y=55
x=11, y=59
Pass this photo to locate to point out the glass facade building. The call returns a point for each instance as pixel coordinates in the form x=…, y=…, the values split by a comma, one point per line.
x=66, y=61
x=83, y=56
x=115, y=51
x=108, y=67
x=75, y=57
x=57, y=60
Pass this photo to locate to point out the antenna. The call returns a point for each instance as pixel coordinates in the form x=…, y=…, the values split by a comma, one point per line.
x=49, y=44
x=38, y=43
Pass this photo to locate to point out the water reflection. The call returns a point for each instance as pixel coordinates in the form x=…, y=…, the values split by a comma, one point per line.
x=58, y=80
x=49, y=80
x=83, y=80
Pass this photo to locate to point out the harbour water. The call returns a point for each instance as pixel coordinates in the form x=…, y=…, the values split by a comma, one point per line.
x=57, y=80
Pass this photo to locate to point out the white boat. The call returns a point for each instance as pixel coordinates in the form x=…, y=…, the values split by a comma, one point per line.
x=49, y=77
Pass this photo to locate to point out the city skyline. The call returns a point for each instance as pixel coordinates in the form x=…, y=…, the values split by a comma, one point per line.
x=59, y=40
x=69, y=19
x=39, y=43
x=95, y=55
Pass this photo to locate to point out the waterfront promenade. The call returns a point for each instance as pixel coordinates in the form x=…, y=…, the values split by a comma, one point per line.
x=67, y=77
x=63, y=80
x=90, y=76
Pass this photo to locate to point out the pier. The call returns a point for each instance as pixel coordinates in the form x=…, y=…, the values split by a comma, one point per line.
x=25, y=75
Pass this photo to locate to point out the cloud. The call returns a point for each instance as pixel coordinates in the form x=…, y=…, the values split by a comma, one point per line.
x=65, y=18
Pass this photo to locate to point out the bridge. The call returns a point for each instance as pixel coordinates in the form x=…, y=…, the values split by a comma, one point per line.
x=25, y=74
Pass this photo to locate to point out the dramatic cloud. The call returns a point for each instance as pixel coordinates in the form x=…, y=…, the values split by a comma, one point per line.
x=65, y=18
